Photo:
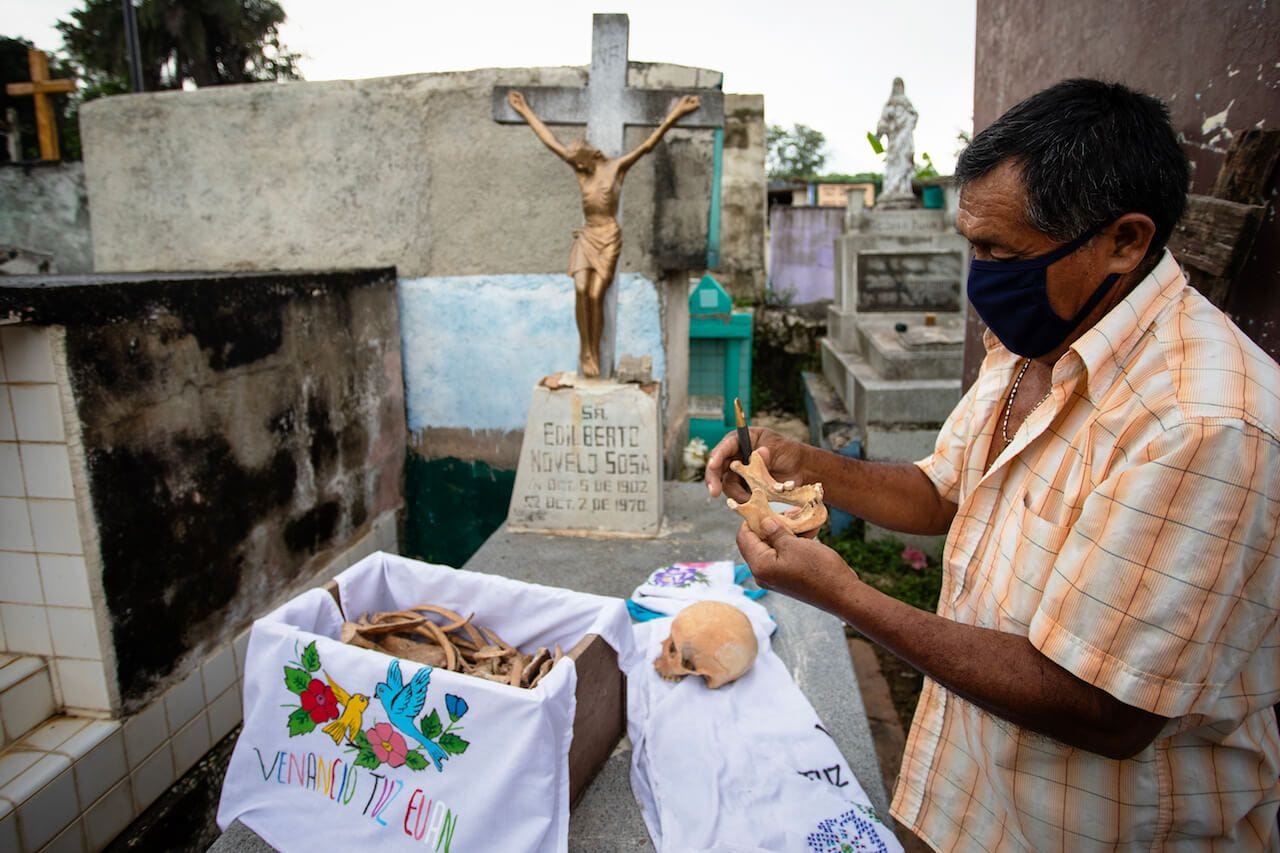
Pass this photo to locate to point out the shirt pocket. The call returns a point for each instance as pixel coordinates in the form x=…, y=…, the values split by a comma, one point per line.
x=1037, y=542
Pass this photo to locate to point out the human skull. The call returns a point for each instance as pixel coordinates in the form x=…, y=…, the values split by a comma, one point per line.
x=711, y=639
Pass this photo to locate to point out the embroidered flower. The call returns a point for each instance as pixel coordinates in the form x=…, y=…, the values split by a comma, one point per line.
x=387, y=744
x=915, y=558
x=318, y=701
x=849, y=833
x=679, y=576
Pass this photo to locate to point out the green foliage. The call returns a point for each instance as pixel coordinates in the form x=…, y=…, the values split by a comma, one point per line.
x=206, y=42
x=876, y=178
x=928, y=170
x=367, y=758
x=310, y=658
x=14, y=68
x=881, y=565
x=296, y=680
x=414, y=760
x=453, y=744
x=431, y=725
x=779, y=298
x=300, y=723
x=795, y=154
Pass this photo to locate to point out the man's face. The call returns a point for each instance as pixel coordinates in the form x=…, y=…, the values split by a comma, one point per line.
x=992, y=217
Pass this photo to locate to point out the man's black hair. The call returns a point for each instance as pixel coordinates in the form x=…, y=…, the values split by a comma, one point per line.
x=1089, y=151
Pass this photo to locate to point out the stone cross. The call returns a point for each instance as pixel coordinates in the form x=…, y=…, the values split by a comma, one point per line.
x=40, y=88
x=607, y=105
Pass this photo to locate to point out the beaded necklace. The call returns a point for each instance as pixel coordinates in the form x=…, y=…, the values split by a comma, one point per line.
x=1013, y=392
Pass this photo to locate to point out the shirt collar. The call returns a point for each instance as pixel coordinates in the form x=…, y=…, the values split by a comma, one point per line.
x=1105, y=347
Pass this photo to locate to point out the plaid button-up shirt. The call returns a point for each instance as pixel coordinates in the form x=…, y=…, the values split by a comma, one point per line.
x=1129, y=530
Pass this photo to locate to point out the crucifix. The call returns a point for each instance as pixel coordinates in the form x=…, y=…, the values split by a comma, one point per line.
x=606, y=105
x=40, y=88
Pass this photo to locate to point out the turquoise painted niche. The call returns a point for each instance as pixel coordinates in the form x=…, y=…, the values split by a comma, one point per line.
x=719, y=360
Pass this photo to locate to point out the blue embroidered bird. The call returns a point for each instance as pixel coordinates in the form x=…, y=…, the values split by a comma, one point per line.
x=404, y=704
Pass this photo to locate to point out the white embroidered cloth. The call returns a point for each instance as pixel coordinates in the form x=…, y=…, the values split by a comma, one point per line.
x=747, y=767
x=670, y=589
x=345, y=746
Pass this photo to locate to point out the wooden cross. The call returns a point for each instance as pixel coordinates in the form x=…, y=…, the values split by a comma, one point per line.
x=40, y=88
x=607, y=105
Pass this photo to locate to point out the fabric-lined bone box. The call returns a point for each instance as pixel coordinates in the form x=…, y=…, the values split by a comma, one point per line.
x=346, y=742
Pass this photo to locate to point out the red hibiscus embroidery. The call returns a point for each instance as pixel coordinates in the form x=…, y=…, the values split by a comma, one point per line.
x=318, y=701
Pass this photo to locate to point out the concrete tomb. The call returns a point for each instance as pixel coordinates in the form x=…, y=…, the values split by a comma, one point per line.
x=896, y=328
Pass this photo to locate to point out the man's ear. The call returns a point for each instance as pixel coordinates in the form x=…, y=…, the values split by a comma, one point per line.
x=1132, y=234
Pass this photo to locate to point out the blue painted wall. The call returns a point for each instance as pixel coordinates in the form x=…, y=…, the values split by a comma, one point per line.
x=474, y=346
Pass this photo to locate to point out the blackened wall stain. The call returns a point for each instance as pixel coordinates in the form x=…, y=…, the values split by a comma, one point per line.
x=682, y=190
x=235, y=334
x=235, y=437
x=169, y=524
x=313, y=528
x=324, y=443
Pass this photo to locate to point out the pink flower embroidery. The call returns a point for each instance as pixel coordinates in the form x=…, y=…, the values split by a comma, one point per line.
x=387, y=743
x=915, y=558
x=318, y=701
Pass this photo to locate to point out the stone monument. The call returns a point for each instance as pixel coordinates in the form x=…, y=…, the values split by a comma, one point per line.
x=898, y=124
x=895, y=331
x=591, y=461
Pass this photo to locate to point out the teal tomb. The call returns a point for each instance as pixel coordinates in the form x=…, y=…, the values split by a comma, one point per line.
x=719, y=360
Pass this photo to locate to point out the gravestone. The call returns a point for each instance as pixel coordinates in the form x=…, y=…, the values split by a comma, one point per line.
x=590, y=461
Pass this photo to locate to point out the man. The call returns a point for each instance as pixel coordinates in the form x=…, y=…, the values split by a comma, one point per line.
x=598, y=243
x=1105, y=656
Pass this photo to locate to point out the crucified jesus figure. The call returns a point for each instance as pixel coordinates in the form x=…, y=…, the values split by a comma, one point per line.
x=597, y=244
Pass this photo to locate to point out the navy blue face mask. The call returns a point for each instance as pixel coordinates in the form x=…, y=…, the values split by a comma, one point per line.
x=1012, y=298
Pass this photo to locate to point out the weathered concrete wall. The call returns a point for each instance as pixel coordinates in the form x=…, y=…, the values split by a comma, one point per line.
x=235, y=433
x=410, y=171
x=743, y=199
x=802, y=251
x=1214, y=64
x=44, y=208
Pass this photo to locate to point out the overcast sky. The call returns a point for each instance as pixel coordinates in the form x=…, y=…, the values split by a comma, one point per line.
x=825, y=63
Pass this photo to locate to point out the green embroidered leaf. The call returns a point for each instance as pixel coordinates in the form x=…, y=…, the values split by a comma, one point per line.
x=300, y=723
x=431, y=726
x=367, y=760
x=361, y=740
x=311, y=658
x=414, y=760
x=453, y=744
x=296, y=679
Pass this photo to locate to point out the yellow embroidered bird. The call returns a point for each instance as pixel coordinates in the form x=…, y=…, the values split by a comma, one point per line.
x=352, y=716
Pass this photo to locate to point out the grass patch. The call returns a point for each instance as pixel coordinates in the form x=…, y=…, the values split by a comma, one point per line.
x=890, y=567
